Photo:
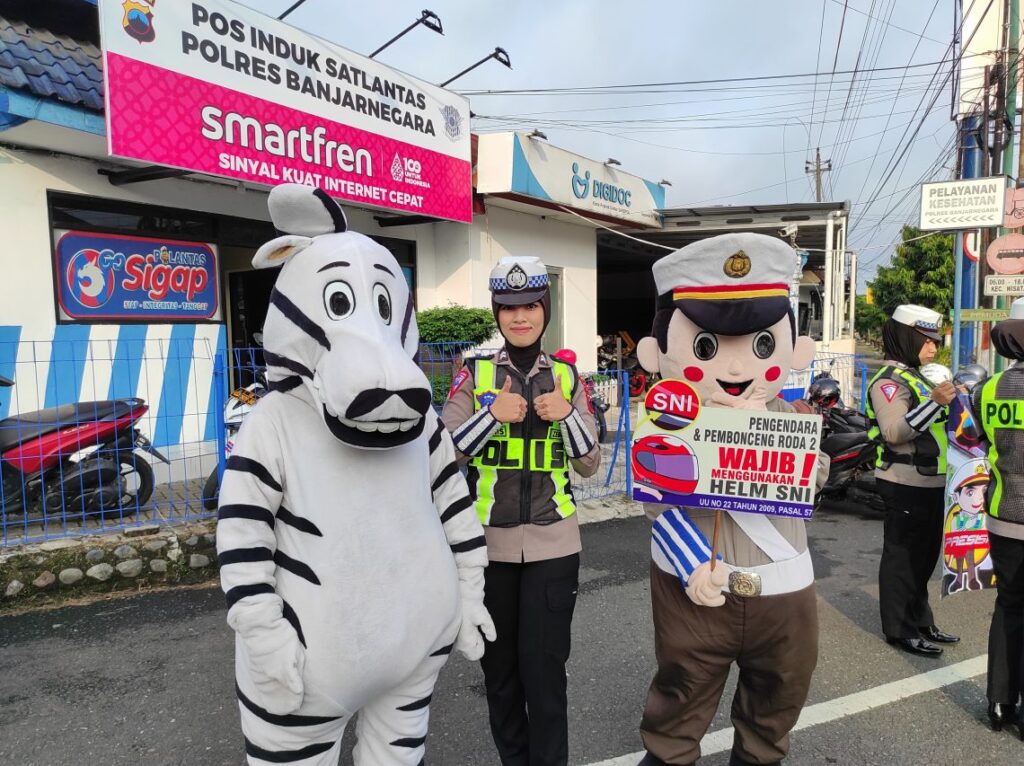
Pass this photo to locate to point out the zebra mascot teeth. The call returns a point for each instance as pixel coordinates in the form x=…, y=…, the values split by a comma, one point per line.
x=350, y=554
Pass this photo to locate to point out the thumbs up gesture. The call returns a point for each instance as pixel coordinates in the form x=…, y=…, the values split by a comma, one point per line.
x=552, y=406
x=508, y=407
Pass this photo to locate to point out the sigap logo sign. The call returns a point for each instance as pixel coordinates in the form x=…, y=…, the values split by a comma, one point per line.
x=580, y=184
x=90, y=282
x=138, y=20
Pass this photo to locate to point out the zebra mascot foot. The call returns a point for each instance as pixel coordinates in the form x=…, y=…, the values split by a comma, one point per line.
x=350, y=554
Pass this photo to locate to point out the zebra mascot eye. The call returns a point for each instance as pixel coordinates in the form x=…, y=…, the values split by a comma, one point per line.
x=339, y=300
x=382, y=300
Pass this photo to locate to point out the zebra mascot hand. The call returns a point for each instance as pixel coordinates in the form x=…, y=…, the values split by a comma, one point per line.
x=350, y=553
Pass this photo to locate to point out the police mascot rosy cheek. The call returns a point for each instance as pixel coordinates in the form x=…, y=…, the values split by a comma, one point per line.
x=350, y=555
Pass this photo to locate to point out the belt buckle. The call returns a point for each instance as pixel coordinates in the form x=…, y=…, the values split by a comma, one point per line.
x=745, y=584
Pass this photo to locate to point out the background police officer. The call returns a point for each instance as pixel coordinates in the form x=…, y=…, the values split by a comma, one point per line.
x=998, y=405
x=522, y=419
x=908, y=414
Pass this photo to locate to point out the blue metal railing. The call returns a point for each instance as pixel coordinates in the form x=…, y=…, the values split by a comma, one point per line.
x=68, y=471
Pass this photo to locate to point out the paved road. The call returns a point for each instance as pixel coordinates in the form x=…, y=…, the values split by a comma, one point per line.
x=148, y=680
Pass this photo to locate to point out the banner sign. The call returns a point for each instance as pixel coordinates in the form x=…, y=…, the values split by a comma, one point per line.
x=103, y=277
x=515, y=163
x=966, y=564
x=695, y=456
x=218, y=88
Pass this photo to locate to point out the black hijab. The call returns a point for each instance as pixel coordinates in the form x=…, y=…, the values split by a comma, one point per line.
x=902, y=343
x=1008, y=338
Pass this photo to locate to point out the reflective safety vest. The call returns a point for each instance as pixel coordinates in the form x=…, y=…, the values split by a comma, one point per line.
x=523, y=454
x=929, y=455
x=997, y=415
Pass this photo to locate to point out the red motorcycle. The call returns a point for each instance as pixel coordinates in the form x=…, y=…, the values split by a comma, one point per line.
x=76, y=459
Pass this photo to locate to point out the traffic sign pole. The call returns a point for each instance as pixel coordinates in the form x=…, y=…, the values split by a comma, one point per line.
x=958, y=254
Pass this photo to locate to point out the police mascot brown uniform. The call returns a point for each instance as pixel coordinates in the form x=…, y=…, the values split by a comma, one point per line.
x=724, y=324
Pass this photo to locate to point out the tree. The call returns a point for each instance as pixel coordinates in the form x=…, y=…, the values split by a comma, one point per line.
x=869, y=318
x=921, y=272
x=456, y=325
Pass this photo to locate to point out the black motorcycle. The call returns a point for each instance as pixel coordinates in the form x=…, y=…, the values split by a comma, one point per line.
x=844, y=438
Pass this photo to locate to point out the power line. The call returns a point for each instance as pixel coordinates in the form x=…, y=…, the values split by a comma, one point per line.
x=603, y=89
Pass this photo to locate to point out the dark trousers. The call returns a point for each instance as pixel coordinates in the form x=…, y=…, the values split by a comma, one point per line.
x=773, y=640
x=1006, y=636
x=912, y=542
x=524, y=669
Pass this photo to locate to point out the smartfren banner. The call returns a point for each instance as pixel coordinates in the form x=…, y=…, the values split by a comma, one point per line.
x=218, y=88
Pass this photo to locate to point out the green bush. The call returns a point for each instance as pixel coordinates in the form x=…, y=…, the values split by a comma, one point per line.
x=456, y=324
x=944, y=355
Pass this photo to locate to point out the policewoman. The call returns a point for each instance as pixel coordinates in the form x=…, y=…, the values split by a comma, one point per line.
x=998, y=405
x=522, y=419
x=908, y=415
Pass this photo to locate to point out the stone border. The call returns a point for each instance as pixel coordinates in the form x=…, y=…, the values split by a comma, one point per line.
x=50, y=573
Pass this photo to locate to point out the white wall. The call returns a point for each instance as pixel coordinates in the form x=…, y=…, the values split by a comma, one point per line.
x=502, y=232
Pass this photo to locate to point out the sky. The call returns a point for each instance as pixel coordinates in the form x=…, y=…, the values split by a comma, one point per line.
x=738, y=142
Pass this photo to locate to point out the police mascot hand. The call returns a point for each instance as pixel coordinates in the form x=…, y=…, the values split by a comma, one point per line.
x=553, y=405
x=508, y=407
x=705, y=585
x=758, y=400
x=475, y=617
x=276, y=661
x=943, y=393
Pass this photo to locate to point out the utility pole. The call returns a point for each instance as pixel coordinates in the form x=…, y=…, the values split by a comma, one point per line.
x=817, y=168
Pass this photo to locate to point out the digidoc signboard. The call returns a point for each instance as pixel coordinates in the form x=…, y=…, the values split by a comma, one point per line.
x=108, y=277
x=217, y=88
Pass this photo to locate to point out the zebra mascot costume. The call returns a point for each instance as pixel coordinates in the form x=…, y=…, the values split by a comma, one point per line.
x=350, y=554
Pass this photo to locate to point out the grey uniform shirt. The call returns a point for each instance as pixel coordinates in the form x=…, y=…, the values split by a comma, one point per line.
x=733, y=544
x=528, y=542
x=892, y=407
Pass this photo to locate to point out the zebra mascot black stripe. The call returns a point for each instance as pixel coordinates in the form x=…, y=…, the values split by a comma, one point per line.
x=350, y=553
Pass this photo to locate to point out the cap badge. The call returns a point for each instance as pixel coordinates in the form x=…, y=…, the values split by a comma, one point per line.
x=516, y=278
x=737, y=265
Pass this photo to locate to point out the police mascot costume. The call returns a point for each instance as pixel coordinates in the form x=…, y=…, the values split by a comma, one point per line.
x=723, y=323
x=350, y=553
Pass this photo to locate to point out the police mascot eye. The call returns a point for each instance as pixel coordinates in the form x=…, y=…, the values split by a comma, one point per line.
x=705, y=346
x=339, y=300
x=764, y=344
x=382, y=298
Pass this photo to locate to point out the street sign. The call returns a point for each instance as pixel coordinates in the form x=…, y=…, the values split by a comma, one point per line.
x=1006, y=254
x=982, y=315
x=995, y=285
x=967, y=204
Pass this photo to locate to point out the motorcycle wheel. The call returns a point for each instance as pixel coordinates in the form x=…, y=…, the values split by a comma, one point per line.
x=211, y=491
x=602, y=426
x=139, y=481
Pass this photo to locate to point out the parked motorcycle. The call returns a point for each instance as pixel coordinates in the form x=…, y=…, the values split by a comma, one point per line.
x=77, y=459
x=239, y=404
x=600, y=407
x=844, y=438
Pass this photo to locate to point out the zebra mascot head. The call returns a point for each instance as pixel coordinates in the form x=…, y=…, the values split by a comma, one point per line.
x=341, y=323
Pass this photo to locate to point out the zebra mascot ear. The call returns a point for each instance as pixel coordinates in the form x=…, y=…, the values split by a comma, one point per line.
x=300, y=213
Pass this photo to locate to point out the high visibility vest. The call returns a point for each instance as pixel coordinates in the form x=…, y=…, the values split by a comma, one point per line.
x=997, y=414
x=503, y=452
x=929, y=455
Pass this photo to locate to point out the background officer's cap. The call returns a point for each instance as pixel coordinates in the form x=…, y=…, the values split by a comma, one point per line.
x=732, y=284
x=924, y=320
x=518, y=280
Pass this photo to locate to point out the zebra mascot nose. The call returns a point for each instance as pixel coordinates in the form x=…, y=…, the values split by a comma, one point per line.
x=341, y=329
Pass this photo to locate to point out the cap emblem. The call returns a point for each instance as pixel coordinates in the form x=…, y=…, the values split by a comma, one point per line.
x=737, y=265
x=516, y=278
